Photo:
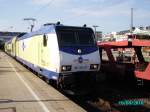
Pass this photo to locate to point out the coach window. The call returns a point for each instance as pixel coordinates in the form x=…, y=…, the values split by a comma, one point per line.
x=45, y=40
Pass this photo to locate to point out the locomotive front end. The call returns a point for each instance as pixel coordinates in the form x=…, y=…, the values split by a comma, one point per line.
x=79, y=56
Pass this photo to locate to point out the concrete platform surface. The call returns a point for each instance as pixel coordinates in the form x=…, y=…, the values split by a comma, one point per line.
x=22, y=91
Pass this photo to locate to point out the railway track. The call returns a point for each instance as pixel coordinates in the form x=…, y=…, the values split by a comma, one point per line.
x=108, y=97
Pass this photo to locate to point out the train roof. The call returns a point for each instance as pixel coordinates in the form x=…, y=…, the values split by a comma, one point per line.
x=9, y=41
x=18, y=36
x=49, y=28
x=21, y=34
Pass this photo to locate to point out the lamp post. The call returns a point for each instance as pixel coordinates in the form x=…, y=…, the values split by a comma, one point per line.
x=95, y=26
x=131, y=29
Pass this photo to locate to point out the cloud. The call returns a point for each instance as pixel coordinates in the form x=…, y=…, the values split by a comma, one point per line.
x=89, y=8
x=54, y=2
x=141, y=13
x=41, y=2
x=107, y=13
x=101, y=12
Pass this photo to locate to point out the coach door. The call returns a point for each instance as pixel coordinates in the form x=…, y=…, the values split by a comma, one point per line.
x=13, y=52
x=14, y=48
x=39, y=52
x=43, y=54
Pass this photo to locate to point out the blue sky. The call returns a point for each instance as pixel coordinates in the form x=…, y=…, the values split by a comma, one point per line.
x=109, y=15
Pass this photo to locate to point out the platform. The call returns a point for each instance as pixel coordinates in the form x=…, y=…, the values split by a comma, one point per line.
x=22, y=91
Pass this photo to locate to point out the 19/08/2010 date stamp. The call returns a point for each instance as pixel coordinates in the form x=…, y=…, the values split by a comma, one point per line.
x=131, y=102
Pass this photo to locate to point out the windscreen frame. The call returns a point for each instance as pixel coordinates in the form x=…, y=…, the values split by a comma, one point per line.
x=76, y=31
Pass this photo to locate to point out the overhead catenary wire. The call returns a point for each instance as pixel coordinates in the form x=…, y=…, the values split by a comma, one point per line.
x=41, y=9
x=34, y=16
x=73, y=18
x=67, y=19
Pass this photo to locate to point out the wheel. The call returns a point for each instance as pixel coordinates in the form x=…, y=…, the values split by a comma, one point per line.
x=40, y=76
x=47, y=80
x=60, y=83
x=52, y=82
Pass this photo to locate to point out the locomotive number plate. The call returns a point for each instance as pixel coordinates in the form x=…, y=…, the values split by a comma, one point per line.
x=81, y=67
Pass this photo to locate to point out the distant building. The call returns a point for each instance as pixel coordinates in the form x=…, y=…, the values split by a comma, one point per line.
x=109, y=37
x=147, y=27
x=5, y=36
x=140, y=32
x=8, y=35
x=98, y=35
x=123, y=32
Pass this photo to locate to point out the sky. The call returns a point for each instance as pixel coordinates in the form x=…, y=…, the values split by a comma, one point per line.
x=109, y=15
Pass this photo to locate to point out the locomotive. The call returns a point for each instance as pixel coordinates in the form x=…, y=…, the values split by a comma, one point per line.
x=67, y=55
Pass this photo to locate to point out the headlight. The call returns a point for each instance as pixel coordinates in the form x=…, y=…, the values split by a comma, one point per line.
x=94, y=66
x=66, y=68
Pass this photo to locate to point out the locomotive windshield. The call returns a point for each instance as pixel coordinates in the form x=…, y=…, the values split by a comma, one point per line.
x=75, y=37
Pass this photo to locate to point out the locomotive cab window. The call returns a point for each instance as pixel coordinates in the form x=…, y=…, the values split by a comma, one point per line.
x=67, y=38
x=45, y=40
x=86, y=37
x=75, y=36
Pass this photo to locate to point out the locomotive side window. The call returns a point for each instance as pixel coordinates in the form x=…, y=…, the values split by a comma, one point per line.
x=45, y=40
